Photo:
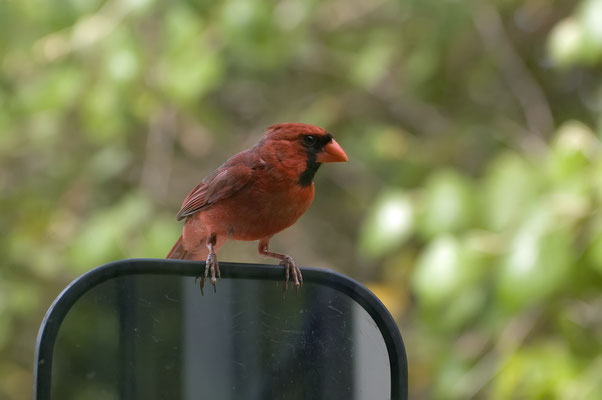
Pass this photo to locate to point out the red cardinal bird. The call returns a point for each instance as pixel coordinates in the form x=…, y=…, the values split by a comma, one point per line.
x=254, y=195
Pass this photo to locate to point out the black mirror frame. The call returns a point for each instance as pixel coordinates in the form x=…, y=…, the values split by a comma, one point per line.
x=63, y=303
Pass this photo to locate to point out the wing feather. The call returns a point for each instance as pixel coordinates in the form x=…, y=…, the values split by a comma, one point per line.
x=223, y=183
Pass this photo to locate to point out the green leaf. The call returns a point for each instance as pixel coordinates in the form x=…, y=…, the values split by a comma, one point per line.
x=444, y=270
x=122, y=61
x=371, y=63
x=590, y=15
x=110, y=233
x=388, y=224
x=447, y=204
x=103, y=119
x=538, y=260
x=574, y=148
x=189, y=67
x=543, y=371
x=593, y=253
x=570, y=43
x=509, y=189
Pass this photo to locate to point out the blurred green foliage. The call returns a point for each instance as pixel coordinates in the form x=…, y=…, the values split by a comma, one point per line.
x=471, y=203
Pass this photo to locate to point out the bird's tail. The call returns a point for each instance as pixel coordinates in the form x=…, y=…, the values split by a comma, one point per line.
x=177, y=252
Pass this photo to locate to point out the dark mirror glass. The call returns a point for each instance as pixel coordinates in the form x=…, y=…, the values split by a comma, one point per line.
x=155, y=337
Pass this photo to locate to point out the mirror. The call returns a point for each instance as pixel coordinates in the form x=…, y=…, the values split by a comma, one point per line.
x=151, y=336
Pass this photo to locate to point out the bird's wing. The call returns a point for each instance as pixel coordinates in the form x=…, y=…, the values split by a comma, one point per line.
x=223, y=183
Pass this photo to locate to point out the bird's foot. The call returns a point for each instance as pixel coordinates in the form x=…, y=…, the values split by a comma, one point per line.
x=291, y=269
x=212, y=271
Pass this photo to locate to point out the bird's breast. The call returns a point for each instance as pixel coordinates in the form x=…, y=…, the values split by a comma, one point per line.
x=258, y=211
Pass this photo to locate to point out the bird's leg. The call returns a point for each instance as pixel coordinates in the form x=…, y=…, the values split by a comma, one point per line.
x=211, y=265
x=287, y=261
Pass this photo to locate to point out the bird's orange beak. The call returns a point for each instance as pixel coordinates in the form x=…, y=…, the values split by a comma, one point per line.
x=332, y=152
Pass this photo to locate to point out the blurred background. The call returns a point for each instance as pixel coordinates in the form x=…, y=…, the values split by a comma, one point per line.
x=470, y=205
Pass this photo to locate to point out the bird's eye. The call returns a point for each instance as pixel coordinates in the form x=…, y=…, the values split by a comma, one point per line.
x=309, y=140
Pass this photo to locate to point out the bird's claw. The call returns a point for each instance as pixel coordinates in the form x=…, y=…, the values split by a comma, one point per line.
x=291, y=269
x=211, y=268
